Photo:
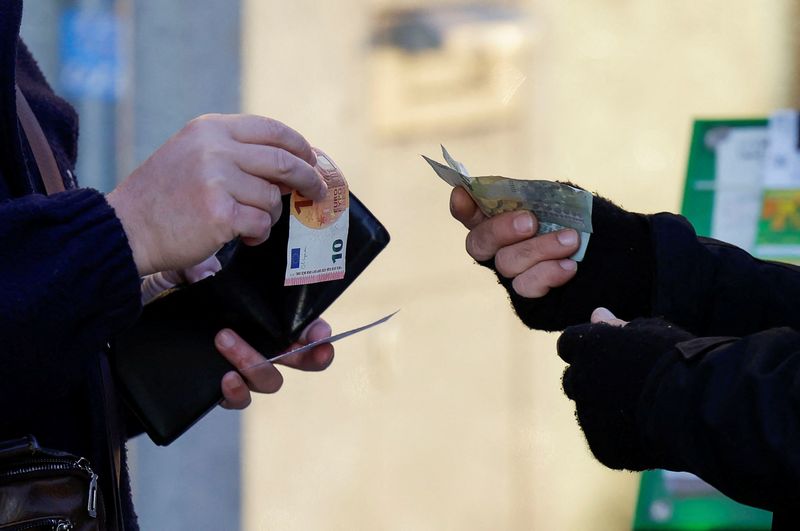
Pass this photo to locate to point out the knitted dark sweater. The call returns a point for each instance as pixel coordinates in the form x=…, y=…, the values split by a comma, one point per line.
x=68, y=282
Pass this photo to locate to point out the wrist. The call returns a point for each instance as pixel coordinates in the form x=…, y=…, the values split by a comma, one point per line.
x=135, y=238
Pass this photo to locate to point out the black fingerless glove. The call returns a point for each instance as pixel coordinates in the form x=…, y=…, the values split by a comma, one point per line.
x=608, y=369
x=617, y=272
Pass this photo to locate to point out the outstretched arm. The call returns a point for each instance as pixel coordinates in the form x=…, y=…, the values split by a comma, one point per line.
x=636, y=264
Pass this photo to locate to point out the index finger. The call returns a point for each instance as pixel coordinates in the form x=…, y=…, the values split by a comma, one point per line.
x=499, y=231
x=261, y=375
x=281, y=168
x=252, y=129
x=317, y=359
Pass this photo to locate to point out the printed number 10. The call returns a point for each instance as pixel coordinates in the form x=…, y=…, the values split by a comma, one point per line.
x=337, y=250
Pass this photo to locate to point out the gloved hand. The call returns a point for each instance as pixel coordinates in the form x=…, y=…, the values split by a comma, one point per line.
x=609, y=366
x=548, y=290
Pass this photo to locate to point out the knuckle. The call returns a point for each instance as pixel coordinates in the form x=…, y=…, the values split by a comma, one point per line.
x=282, y=162
x=201, y=123
x=474, y=219
x=204, y=134
x=237, y=355
x=504, y=262
x=514, y=259
x=272, y=197
x=476, y=245
x=530, y=286
x=218, y=212
x=273, y=129
x=264, y=224
x=210, y=157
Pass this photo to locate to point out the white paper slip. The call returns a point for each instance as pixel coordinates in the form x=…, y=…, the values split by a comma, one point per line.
x=334, y=338
x=737, y=186
x=782, y=162
x=253, y=370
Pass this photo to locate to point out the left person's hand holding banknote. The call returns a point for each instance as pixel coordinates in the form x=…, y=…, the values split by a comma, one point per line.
x=235, y=387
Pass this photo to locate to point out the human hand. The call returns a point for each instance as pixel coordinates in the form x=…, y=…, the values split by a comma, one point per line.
x=218, y=178
x=603, y=315
x=610, y=362
x=255, y=373
x=155, y=284
x=535, y=263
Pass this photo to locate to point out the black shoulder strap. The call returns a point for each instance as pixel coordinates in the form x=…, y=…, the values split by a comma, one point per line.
x=54, y=183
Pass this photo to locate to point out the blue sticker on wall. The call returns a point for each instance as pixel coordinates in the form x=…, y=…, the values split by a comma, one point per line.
x=90, y=54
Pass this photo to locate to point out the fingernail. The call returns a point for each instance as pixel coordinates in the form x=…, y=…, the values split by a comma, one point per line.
x=567, y=238
x=226, y=339
x=568, y=265
x=207, y=274
x=235, y=386
x=603, y=314
x=523, y=223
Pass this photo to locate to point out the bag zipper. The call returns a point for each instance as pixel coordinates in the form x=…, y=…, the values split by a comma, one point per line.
x=53, y=464
x=52, y=523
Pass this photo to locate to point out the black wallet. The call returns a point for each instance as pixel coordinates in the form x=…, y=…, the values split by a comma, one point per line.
x=167, y=367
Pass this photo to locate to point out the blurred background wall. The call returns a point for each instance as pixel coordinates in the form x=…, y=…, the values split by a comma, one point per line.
x=451, y=416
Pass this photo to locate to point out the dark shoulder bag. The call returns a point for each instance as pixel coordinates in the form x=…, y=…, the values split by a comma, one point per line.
x=43, y=489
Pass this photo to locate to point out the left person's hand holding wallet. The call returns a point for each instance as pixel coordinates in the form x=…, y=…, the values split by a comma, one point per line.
x=266, y=379
x=219, y=178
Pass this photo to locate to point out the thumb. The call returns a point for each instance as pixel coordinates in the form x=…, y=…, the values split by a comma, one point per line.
x=573, y=342
x=603, y=315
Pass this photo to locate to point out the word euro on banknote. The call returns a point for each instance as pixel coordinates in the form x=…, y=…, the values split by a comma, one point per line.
x=557, y=206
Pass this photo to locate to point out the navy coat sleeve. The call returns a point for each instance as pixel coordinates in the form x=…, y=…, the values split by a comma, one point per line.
x=68, y=284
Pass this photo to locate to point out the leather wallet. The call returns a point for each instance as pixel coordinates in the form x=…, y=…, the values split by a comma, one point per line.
x=167, y=367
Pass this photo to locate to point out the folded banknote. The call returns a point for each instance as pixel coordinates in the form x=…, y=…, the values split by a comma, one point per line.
x=557, y=206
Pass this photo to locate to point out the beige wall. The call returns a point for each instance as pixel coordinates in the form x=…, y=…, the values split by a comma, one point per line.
x=451, y=416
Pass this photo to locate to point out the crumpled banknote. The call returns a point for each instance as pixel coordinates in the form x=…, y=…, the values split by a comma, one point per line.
x=557, y=206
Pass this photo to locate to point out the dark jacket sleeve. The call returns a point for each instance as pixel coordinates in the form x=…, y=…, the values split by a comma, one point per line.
x=730, y=414
x=617, y=272
x=68, y=284
x=712, y=288
x=640, y=265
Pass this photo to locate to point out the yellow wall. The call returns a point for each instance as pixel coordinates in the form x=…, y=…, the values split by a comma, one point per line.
x=451, y=416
